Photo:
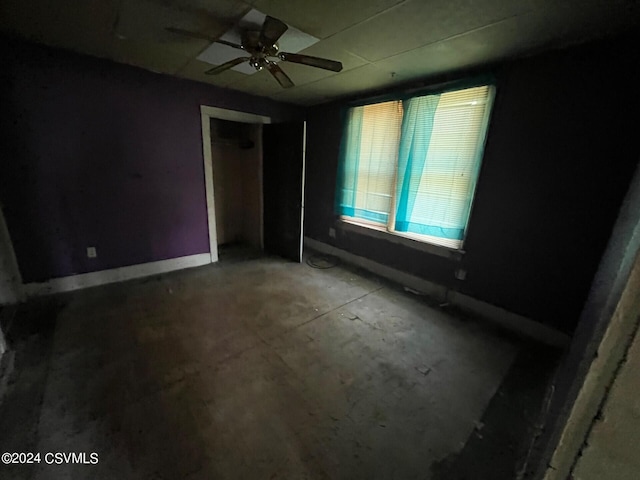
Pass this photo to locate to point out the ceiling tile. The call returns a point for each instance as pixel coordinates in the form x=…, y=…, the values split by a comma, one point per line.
x=333, y=49
x=194, y=70
x=322, y=19
x=361, y=79
x=293, y=40
x=260, y=83
x=304, y=97
x=75, y=17
x=413, y=39
x=148, y=55
x=147, y=20
x=416, y=23
x=464, y=51
x=34, y=20
x=302, y=74
x=507, y=39
x=574, y=21
x=83, y=26
x=299, y=74
x=223, y=10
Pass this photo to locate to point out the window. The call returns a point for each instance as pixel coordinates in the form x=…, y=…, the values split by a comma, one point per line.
x=410, y=166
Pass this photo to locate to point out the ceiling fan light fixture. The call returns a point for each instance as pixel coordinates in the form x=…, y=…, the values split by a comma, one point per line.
x=261, y=44
x=255, y=63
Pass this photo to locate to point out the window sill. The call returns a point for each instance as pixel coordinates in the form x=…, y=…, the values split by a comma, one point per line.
x=383, y=234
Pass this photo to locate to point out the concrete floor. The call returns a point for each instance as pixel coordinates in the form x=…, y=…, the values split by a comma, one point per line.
x=254, y=369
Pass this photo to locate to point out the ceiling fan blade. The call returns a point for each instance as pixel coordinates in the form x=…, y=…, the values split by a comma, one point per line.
x=226, y=66
x=229, y=44
x=311, y=61
x=189, y=33
x=282, y=78
x=272, y=30
x=202, y=36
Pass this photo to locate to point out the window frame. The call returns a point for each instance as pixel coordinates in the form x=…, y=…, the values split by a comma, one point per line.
x=417, y=241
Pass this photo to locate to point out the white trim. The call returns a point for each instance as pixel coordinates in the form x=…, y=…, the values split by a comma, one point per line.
x=406, y=279
x=10, y=278
x=93, y=279
x=261, y=180
x=504, y=318
x=233, y=115
x=208, y=184
x=374, y=231
x=206, y=114
x=304, y=162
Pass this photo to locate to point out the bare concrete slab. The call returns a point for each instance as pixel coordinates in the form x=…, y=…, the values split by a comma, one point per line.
x=262, y=369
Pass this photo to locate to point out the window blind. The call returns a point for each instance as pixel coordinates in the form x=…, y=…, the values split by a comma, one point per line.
x=411, y=166
x=371, y=164
x=448, y=178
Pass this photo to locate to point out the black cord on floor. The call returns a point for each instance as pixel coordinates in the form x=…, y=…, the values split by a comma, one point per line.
x=322, y=261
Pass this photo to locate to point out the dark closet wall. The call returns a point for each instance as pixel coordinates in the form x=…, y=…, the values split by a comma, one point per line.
x=559, y=157
x=100, y=154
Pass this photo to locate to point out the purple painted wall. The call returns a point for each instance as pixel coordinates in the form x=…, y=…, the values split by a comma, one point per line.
x=100, y=154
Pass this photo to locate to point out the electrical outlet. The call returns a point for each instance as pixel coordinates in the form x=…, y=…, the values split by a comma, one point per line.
x=91, y=252
x=332, y=232
x=461, y=274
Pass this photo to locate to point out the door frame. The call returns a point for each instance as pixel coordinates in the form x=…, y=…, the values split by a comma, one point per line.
x=285, y=246
x=206, y=114
x=304, y=173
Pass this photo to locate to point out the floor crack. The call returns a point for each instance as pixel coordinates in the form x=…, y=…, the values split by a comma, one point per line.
x=334, y=309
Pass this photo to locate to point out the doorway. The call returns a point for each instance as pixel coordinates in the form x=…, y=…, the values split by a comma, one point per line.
x=207, y=115
x=259, y=189
x=236, y=154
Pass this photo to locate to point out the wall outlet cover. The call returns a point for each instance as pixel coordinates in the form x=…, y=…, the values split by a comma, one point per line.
x=461, y=274
x=91, y=252
x=332, y=232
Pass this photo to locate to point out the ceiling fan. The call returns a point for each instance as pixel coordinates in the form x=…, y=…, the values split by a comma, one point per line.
x=262, y=47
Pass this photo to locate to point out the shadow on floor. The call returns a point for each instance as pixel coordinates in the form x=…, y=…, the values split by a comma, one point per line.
x=498, y=448
x=129, y=385
x=29, y=335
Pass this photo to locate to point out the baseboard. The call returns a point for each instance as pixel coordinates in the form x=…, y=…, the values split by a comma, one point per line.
x=3, y=343
x=10, y=280
x=504, y=318
x=7, y=313
x=94, y=279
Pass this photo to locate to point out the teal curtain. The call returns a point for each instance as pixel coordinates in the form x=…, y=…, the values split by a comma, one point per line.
x=417, y=126
x=348, y=162
x=349, y=165
x=434, y=182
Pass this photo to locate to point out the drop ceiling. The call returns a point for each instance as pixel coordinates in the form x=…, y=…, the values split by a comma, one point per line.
x=380, y=42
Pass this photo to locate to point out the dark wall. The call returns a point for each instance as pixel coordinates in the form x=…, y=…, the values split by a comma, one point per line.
x=100, y=154
x=607, y=288
x=559, y=157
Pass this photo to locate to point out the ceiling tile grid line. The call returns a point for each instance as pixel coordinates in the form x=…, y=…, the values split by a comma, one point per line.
x=452, y=37
x=380, y=43
x=377, y=63
x=415, y=23
x=247, y=9
x=293, y=41
x=364, y=59
x=395, y=7
x=325, y=19
x=380, y=13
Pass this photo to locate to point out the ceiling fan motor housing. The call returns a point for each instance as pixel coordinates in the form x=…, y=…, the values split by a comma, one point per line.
x=251, y=42
x=261, y=45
